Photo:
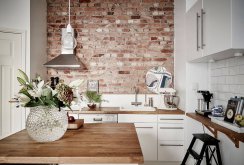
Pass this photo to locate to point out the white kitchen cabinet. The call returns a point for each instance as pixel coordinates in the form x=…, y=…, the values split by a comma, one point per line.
x=146, y=128
x=193, y=32
x=214, y=29
x=170, y=137
x=99, y=118
x=147, y=135
x=170, y=151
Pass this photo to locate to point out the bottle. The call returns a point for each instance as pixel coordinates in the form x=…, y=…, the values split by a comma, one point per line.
x=150, y=102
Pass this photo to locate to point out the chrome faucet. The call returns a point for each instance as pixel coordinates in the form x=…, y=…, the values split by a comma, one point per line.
x=136, y=103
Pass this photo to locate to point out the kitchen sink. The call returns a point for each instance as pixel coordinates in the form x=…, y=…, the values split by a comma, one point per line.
x=137, y=108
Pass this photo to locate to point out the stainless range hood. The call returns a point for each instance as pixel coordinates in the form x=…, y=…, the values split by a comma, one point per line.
x=67, y=59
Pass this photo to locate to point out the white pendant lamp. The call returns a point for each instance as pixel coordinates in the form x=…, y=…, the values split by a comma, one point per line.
x=69, y=42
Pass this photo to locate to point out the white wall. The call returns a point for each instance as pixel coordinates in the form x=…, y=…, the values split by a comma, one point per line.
x=179, y=52
x=227, y=80
x=15, y=14
x=38, y=37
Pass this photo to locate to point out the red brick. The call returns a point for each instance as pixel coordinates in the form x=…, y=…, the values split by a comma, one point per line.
x=119, y=55
x=124, y=72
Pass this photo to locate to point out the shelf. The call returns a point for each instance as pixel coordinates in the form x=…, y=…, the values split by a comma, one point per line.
x=214, y=128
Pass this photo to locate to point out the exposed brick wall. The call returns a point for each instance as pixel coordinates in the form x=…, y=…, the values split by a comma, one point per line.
x=118, y=40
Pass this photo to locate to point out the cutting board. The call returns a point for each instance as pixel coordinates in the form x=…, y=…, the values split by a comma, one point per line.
x=76, y=124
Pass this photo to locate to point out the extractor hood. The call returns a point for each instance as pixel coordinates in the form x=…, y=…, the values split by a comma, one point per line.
x=67, y=59
x=64, y=61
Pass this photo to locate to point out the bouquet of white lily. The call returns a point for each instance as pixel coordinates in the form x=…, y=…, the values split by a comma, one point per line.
x=38, y=93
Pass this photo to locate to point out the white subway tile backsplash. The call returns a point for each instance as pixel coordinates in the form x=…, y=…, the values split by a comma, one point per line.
x=214, y=87
x=223, y=88
x=231, y=80
x=234, y=88
x=240, y=79
x=241, y=69
x=221, y=79
x=241, y=89
x=221, y=96
x=221, y=64
x=214, y=80
x=227, y=79
x=240, y=60
x=234, y=70
x=232, y=62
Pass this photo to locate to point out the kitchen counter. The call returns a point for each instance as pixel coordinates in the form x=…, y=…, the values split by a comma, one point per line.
x=94, y=143
x=116, y=110
x=214, y=128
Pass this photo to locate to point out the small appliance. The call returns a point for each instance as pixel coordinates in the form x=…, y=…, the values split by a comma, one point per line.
x=203, y=103
x=168, y=99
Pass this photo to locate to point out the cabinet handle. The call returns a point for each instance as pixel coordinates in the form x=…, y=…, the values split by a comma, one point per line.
x=197, y=17
x=171, y=145
x=171, y=128
x=170, y=119
x=202, y=30
x=144, y=127
x=97, y=119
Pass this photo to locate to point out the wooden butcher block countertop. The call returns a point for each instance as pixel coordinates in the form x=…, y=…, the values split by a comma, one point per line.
x=116, y=110
x=93, y=143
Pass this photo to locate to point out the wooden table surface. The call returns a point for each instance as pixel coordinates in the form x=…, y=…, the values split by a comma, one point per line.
x=93, y=143
x=116, y=110
x=213, y=127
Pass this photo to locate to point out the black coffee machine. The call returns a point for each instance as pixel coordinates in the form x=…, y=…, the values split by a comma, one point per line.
x=203, y=104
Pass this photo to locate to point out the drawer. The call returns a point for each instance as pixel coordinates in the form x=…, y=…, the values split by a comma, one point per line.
x=125, y=118
x=170, y=131
x=99, y=118
x=170, y=150
x=171, y=118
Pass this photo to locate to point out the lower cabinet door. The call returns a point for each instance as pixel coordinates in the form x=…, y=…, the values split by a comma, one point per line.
x=147, y=135
x=170, y=150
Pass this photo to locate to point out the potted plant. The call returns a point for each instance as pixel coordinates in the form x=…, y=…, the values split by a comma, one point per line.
x=46, y=120
x=93, y=99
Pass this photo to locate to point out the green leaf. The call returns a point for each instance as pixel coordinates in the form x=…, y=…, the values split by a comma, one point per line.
x=50, y=102
x=21, y=81
x=23, y=75
x=93, y=96
x=25, y=92
x=32, y=103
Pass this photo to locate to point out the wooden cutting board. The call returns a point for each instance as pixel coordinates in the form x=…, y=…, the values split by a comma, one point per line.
x=76, y=124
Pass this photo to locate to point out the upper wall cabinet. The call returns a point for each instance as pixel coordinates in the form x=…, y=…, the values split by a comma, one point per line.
x=215, y=30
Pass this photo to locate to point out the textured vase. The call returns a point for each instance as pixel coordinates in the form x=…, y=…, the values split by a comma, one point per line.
x=45, y=124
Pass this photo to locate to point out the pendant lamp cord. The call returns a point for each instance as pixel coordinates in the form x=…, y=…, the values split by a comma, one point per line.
x=69, y=11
